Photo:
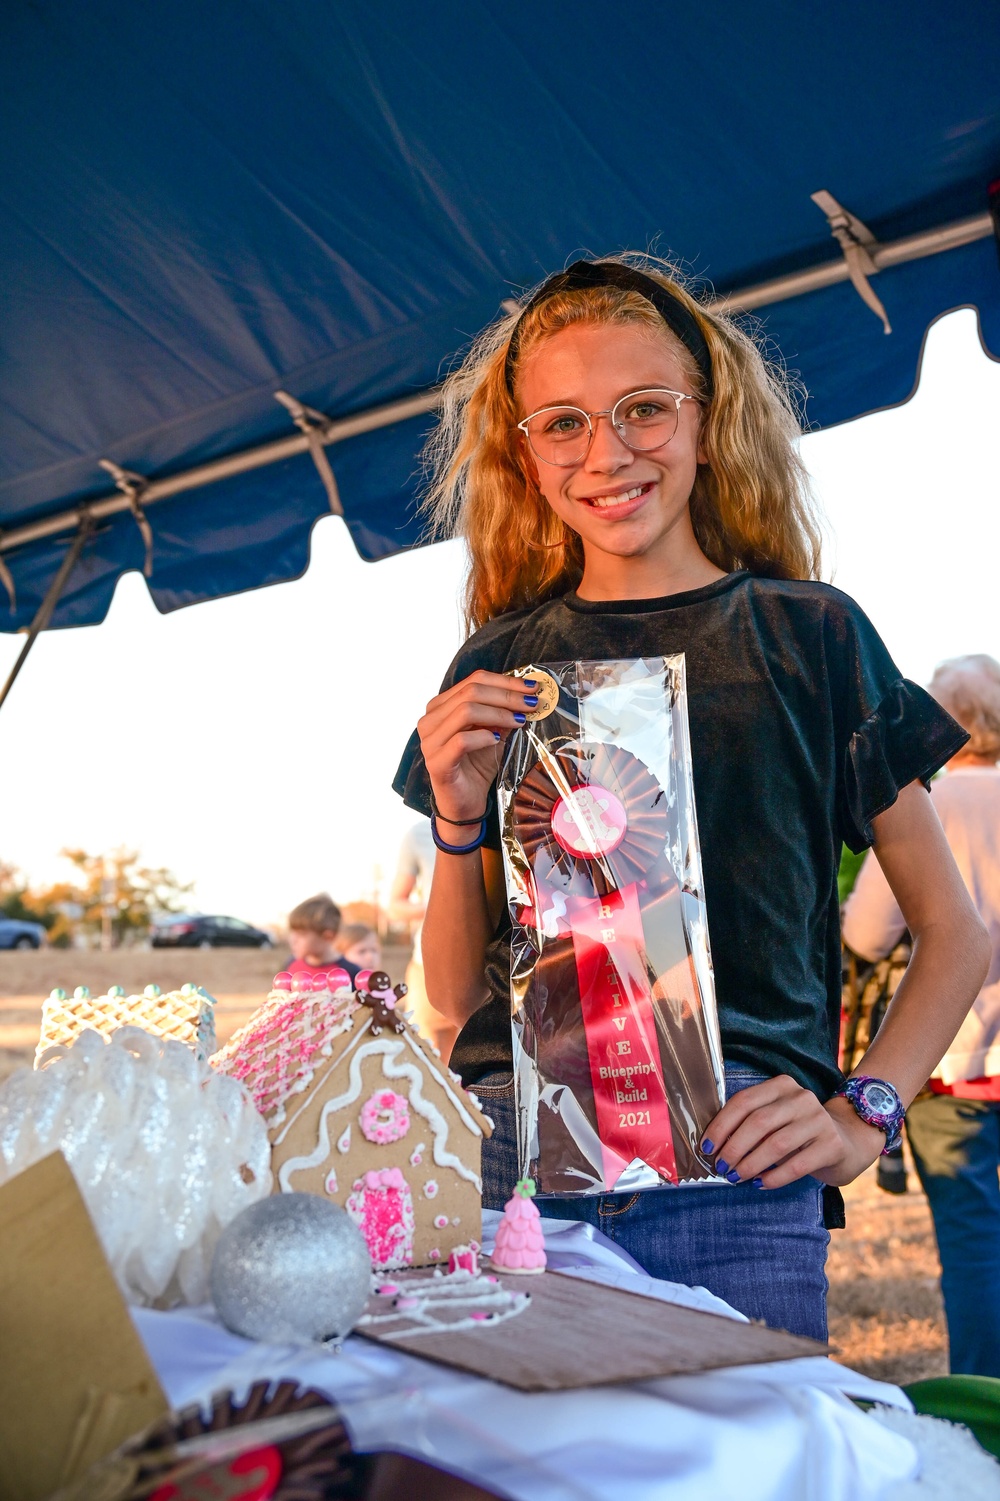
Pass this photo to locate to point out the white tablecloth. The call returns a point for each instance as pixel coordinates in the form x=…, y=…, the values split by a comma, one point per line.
x=782, y=1432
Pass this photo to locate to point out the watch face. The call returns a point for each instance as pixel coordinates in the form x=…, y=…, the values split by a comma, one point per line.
x=878, y=1099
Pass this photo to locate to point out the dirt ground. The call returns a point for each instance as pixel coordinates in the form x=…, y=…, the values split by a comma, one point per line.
x=886, y=1317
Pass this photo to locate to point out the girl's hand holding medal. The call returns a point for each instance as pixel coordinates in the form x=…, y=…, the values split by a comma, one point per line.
x=459, y=736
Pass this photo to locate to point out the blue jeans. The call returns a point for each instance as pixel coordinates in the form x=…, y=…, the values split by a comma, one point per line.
x=956, y=1148
x=762, y=1250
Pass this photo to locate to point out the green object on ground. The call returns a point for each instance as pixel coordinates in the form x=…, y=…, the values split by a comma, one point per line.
x=972, y=1400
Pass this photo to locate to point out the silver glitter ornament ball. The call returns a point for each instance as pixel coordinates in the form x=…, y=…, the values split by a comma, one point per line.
x=291, y=1267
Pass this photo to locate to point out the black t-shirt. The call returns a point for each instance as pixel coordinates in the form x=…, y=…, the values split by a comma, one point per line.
x=802, y=731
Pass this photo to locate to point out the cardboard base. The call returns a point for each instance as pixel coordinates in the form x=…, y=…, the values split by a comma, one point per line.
x=578, y=1333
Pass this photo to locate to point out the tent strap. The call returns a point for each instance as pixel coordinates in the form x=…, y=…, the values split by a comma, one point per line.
x=131, y=486
x=858, y=243
x=43, y=614
x=316, y=427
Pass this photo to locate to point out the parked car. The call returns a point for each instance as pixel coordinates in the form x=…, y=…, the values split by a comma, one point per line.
x=20, y=935
x=208, y=933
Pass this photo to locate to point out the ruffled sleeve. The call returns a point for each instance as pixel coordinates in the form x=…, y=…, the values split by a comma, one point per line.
x=907, y=738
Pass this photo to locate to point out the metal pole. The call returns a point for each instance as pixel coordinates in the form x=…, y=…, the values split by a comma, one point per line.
x=44, y=613
x=764, y=294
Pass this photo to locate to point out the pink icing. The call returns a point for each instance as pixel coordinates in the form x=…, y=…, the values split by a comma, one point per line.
x=385, y=1117
x=276, y=1052
x=382, y=1207
x=440, y=1222
x=434, y=1255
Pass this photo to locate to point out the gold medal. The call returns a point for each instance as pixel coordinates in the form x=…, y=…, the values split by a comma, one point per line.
x=546, y=690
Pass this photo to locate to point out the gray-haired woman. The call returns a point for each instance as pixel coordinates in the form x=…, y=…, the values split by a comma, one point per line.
x=954, y=1131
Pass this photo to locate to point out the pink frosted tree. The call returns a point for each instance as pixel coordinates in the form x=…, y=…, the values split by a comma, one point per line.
x=520, y=1245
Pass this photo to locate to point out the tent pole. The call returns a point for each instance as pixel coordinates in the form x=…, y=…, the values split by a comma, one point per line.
x=763, y=294
x=44, y=612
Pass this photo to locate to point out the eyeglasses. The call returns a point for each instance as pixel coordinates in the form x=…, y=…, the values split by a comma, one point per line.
x=642, y=420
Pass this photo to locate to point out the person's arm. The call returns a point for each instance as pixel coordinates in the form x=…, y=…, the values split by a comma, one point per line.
x=873, y=923
x=777, y=1132
x=460, y=737
x=401, y=909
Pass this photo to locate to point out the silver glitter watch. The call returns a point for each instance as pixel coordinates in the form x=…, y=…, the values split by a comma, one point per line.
x=878, y=1104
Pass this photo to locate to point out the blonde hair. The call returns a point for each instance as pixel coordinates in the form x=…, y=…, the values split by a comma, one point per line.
x=750, y=505
x=318, y=914
x=969, y=688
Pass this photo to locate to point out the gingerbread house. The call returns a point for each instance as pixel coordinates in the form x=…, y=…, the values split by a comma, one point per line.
x=186, y=1015
x=361, y=1109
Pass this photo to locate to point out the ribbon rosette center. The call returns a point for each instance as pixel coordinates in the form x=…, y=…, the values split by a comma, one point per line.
x=589, y=822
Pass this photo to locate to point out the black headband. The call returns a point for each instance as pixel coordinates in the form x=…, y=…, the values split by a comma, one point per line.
x=583, y=275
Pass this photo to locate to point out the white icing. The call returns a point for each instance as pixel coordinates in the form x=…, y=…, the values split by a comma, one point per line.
x=417, y=1155
x=431, y=1189
x=331, y=1182
x=389, y=1048
x=344, y=1139
x=426, y=1299
x=334, y=1065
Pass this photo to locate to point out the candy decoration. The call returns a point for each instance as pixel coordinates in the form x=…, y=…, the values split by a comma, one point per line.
x=379, y=993
x=464, y=1259
x=520, y=1244
x=292, y=1267
x=385, y=1117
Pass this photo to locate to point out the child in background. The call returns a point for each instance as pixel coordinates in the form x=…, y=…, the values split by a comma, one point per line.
x=313, y=934
x=360, y=946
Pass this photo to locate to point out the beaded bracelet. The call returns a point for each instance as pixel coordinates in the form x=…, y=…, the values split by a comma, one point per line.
x=457, y=849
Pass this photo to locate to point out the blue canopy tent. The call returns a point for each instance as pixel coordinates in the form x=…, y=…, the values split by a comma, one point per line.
x=241, y=241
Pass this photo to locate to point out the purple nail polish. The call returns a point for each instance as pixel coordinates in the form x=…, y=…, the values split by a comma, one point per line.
x=707, y=1146
x=733, y=1176
x=721, y=1165
x=519, y=719
x=758, y=1183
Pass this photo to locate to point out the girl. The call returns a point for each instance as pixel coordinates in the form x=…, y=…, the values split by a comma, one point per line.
x=622, y=465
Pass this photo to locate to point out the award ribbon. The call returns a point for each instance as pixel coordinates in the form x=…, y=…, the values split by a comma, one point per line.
x=633, y=1119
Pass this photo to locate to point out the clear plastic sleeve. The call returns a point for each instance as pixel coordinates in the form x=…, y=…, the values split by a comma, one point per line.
x=617, y=1058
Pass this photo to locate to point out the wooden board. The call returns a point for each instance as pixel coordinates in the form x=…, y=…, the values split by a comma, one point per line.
x=578, y=1333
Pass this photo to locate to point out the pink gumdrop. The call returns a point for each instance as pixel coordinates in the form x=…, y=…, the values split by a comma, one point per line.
x=319, y=980
x=361, y=978
x=301, y=980
x=338, y=979
x=388, y=1290
x=479, y=1315
x=283, y=981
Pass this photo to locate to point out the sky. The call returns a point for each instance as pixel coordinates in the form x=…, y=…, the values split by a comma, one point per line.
x=249, y=744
